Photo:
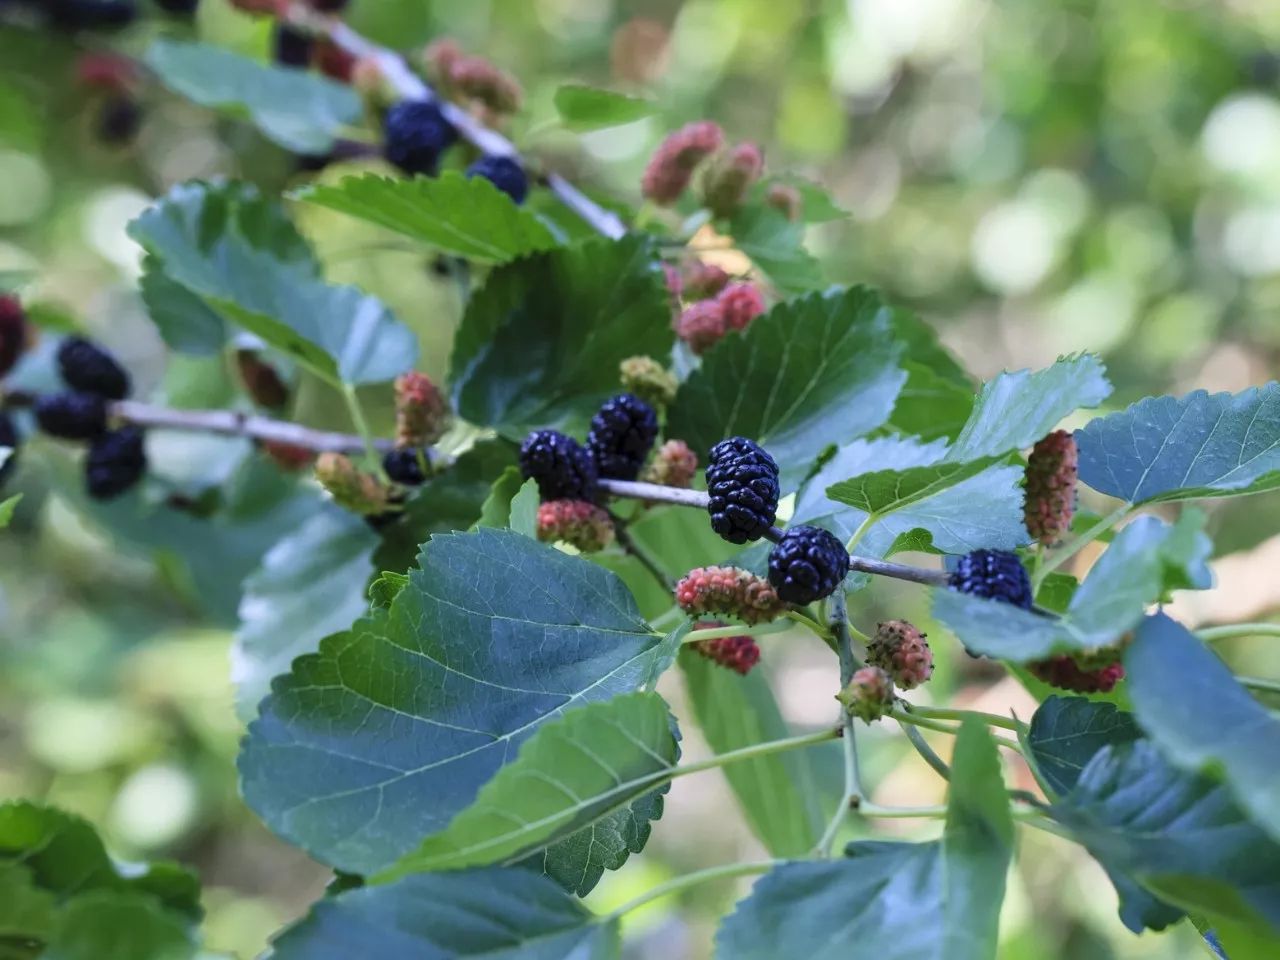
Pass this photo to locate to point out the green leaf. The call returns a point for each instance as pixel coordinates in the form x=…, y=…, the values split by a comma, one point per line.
x=310, y=584
x=1188, y=702
x=236, y=251
x=465, y=216
x=776, y=245
x=524, y=509
x=541, y=342
x=893, y=901
x=1146, y=558
x=1066, y=733
x=495, y=914
x=888, y=491
x=298, y=110
x=583, y=108
x=1016, y=409
x=1181, y=448
x=977, y=846
x=494, y=635
x=810, y=373
x=496, y=509
x=1180, y=835
x=777, y=792
x=7, y=507
x=186, y=323
x=983, y=509
x=930, y=406
x=109, y=925
x=816, y=205
x=573, y=772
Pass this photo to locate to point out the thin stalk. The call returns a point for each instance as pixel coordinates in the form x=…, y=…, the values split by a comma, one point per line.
x=714, y=633
x=922, y=813
x=645, y=558
x=868, y=522
x=362, y=427
x=903, y=717
x=679, y=884
x=1260, y=683
x=927, y=752
x=755, y=751
x=852, y=793
x=804, y=620
x=1066, y=552
x=950, y=713
x=1232, y=630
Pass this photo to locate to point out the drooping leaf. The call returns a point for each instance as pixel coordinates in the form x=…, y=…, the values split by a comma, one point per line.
x=300, y=111
x=810, y=373
x=467, y=217
x=496, y=509
x=495, y=634
x=1147, y=558
x=186, y=323
x=234, y=250
x=310, y=584
x=494, y=914
x=1066, y=732
x=1191, y=705
x=893, y=901
x=584, y=108
x=1014, y=410
x=1181, y=448
x=777, y=792
x=540, y=343
x=110, y=925
x=1180, y=835
x=573, y=772
x=776, y=245
x=7, y=507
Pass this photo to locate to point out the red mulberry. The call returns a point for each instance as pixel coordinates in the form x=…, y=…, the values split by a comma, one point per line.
x=868, y=695
x=1065, y=674
x=576, y=522
x=729, y=591
x=1050, y=497
x=902, y=651
x=671, y=167
x=738, y=654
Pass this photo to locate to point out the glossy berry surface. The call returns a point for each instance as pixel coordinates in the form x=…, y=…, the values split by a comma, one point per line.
x=85, y=366
x=416, y=133
x=742, y=482
x=72, y=415
x=504, y=173
x=621, y=436
x=994, y=574
x=562, y=468
x=808, y=564
x=406, y=465
x=117, y=460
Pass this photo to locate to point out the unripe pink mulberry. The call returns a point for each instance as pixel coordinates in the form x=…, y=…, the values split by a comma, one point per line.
x=729, y=176
x=352, y=488
x=1065, y=674
x=869, y=694
x=738, y=654
x=671, y=167
x=576, y=522
x=730, y=591
x=674, y=464
x=1050, y=497
x=701, y=325
x=740, y=303
x=700, y=279
x=422, y=412
x=902, y=651
x=107, y=71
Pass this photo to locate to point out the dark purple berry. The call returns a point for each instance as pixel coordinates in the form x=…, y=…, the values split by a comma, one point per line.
x=621, y=436
x=292, y=47
x=90, y=14
x=562, y=468
x=416, y=133
x=807, y=564
x=13, y=332
x=742, y=481
x=184, y=7
x=72, y=415
x=407, y=466
x=117, y=460
x=504, y=173
x=119, y=119
x=994, y=574
x=87, y=367
x=8, y=438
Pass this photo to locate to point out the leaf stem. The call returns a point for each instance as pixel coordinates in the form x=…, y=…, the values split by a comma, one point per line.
x=1232, y=630
x=927, y=752
x=755, y=751
x=362, y=427
x=1066, y=552
x=723, y=872
x=804, y=620
x=950, y=713
x=868, y=522
x=643, y=556
x=903, y=716
x=714, y=633
x=1260, y=683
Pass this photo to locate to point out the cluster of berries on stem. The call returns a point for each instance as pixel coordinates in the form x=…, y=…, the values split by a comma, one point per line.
x=738, y=653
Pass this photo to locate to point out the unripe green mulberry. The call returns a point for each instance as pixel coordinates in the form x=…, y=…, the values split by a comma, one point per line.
x=673, y=465
x=352, y=488
x=649, y=380
x=869, y=694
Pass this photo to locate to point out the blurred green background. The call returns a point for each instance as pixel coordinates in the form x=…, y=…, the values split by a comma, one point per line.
x=1034, y=178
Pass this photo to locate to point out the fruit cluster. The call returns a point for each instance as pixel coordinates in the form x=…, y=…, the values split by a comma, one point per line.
x=737, y=653
x=729, y=591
